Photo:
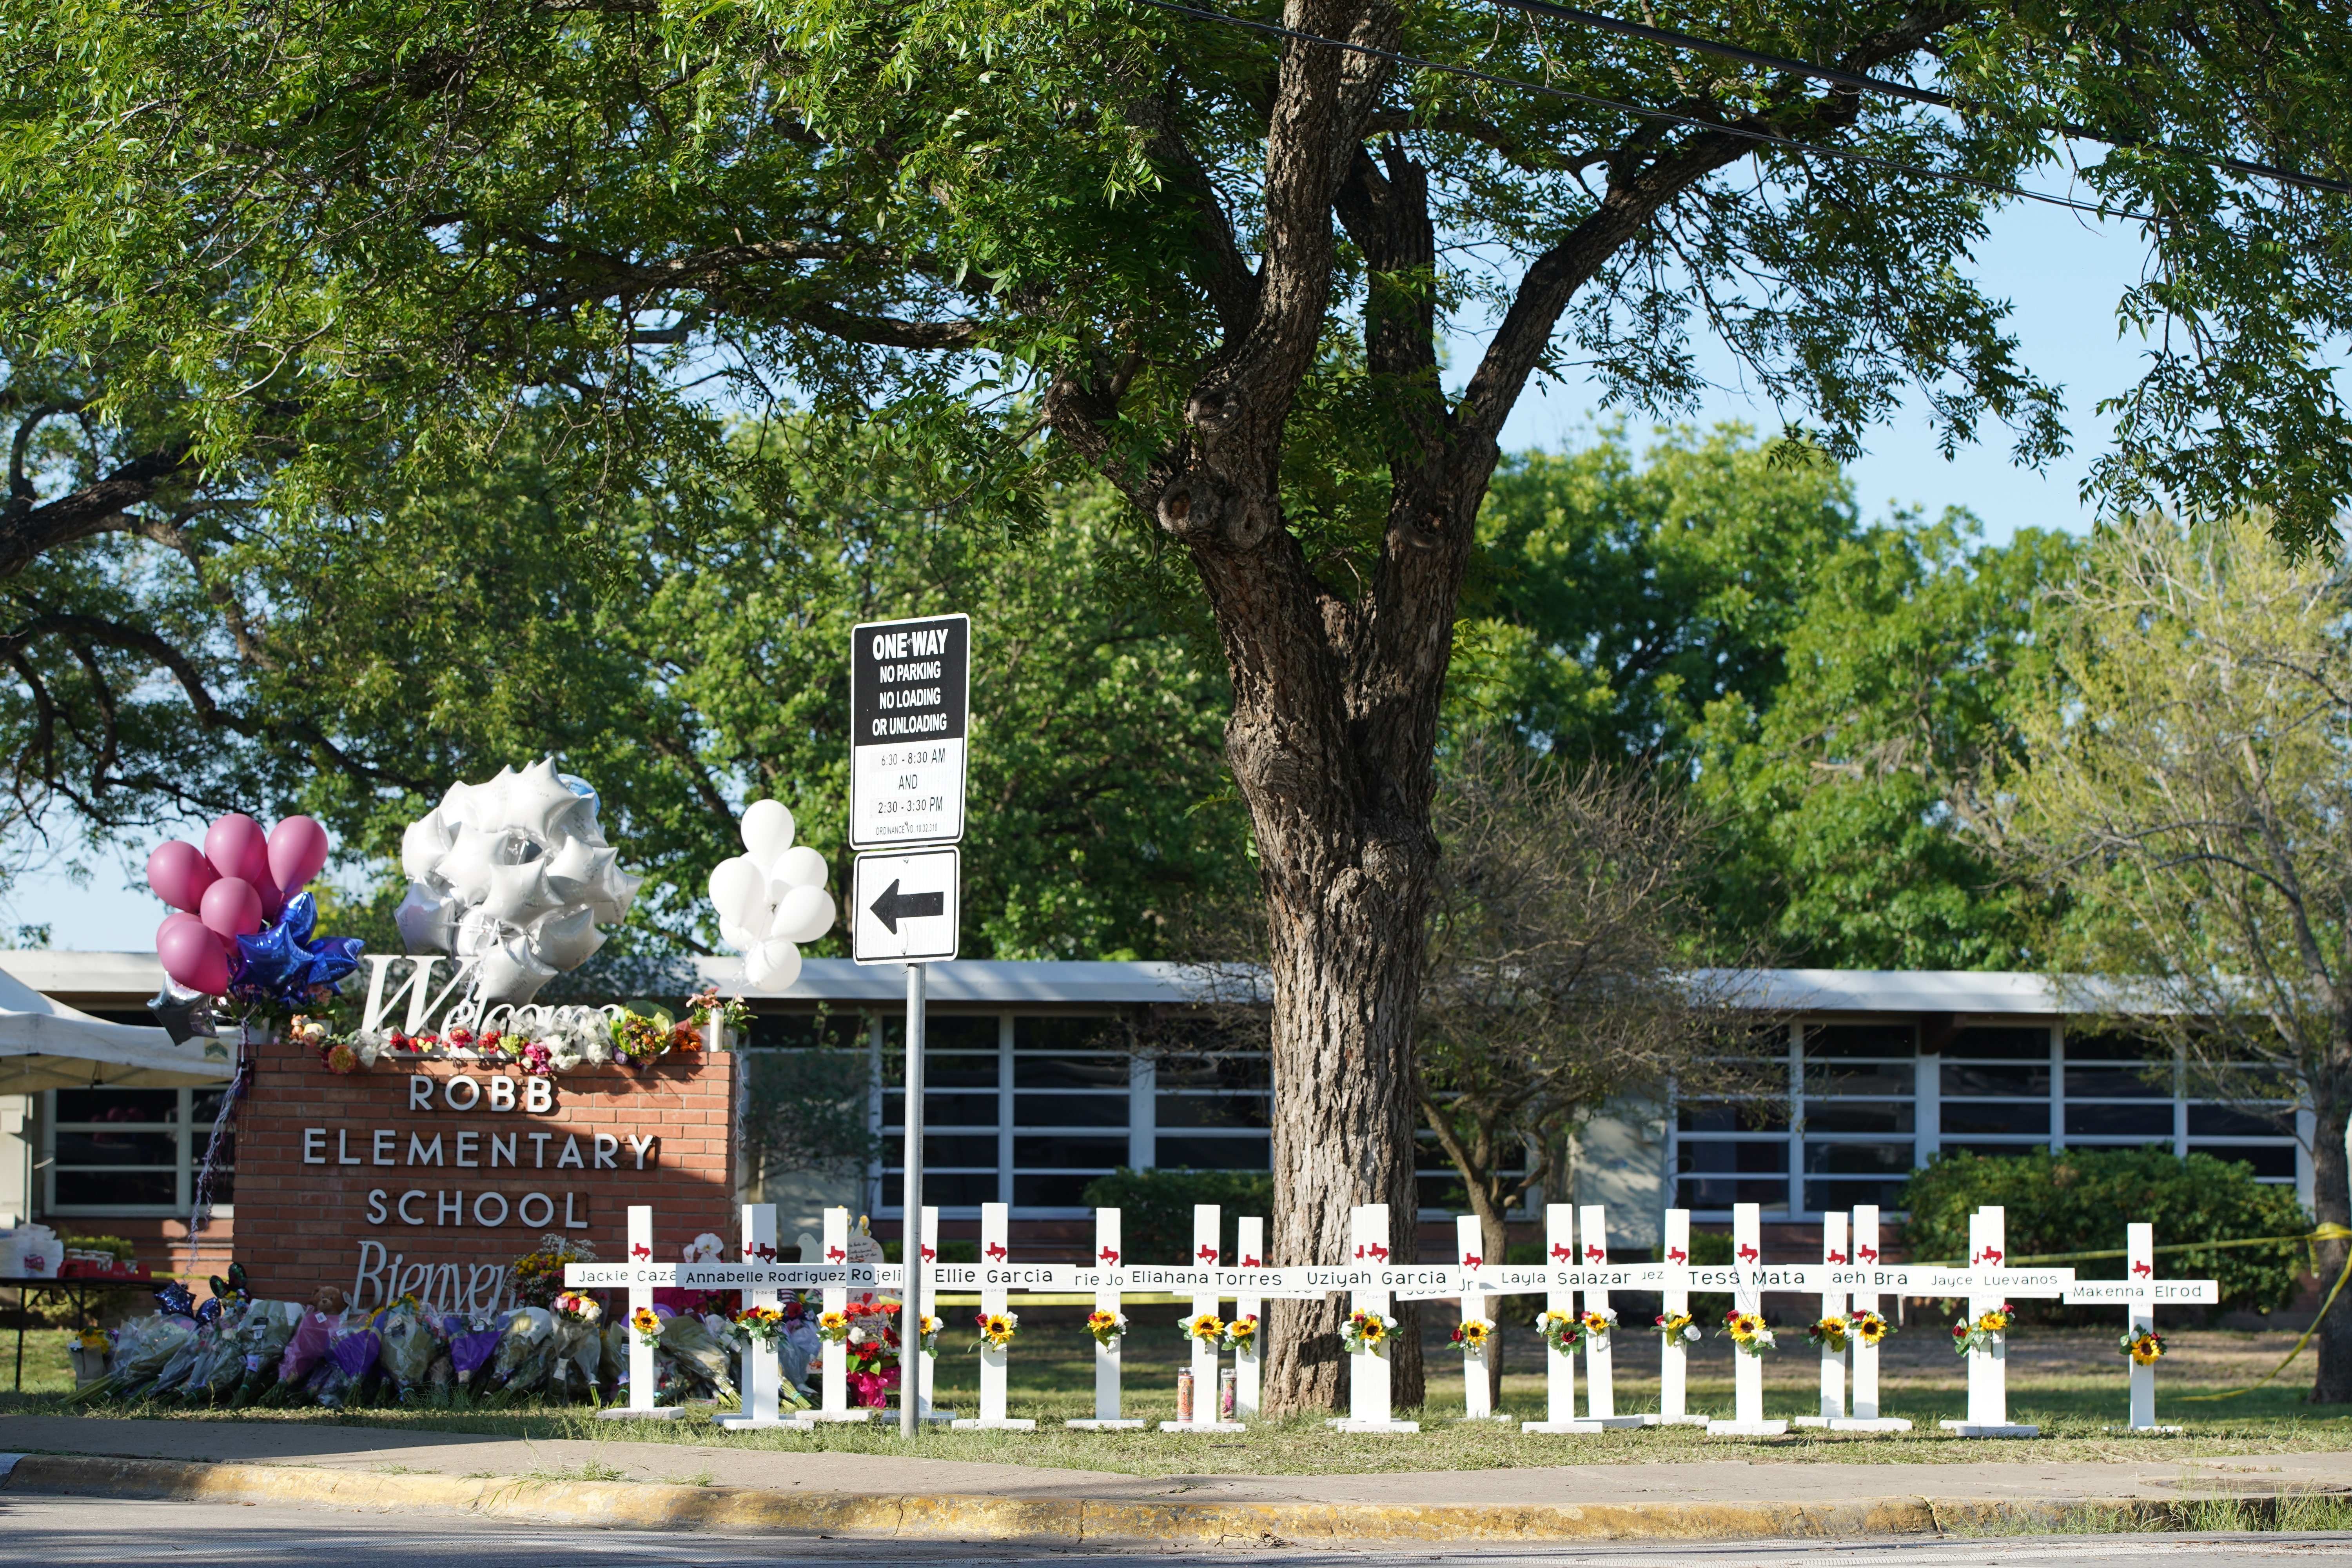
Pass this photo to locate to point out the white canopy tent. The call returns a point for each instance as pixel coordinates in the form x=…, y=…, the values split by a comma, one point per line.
x=43, y=1044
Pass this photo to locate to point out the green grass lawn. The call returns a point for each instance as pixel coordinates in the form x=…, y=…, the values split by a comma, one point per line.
x=2071, y=1382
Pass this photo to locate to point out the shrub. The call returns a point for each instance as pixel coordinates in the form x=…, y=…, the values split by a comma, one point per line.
x=2079, y=1200
x=1155, y=1208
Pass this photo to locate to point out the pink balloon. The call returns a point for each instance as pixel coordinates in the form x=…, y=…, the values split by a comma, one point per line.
x=192, y=954
x=238, y=848
x=179, y=873
x=273, y=903
x=297, y=851
x=232, y=908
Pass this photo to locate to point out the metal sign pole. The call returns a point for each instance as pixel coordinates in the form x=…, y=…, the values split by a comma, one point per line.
x=910, y=1225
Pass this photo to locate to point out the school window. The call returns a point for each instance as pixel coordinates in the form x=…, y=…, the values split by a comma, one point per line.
x=131, y=1152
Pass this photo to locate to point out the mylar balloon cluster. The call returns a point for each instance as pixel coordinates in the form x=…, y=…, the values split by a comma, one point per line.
x=771, y=899
x=516, y=873
x=245, y=923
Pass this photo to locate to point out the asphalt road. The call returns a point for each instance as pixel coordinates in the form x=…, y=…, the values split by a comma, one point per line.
x=40, y=1530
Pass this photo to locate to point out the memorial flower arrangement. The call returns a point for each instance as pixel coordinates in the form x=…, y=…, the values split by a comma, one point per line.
x=931, y=1327
x=996, y=1329
x=1473, y=1334
x=873, y=1341
x=1367, y=1332
x=1206, y=1329
x=579, y=1309
x=1678, y=1326
x=1106, y=1327
x=832, y=1326
x=1748, y=1332
x=2143, y=1347
x=1868, y=1326
x=1241, y=1334
x=1563, y=1331
x=1829, y=1333
x=647, y=1324
x=1597, y=1324
x=539, y=1274
x=734, y=1014
x=759, y=1324
x=1985, y=1333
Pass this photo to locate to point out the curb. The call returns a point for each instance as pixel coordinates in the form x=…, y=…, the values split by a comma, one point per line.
x=1063, y=1520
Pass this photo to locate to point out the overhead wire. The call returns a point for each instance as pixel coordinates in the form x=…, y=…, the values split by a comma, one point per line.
x=1763, y=138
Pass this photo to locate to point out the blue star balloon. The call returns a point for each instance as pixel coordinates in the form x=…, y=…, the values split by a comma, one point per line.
x=283, y=963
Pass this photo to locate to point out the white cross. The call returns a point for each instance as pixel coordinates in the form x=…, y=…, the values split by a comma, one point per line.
x=1249, y=1252
x=1110, y=1281
x=641, y=1274
x=995, y=1229
x=1207, y=1250
x=1747, y=1282
x=1674, y=1365
x=1368, y=1369
x=1560, y=1366
x=2139, y=1291
x=1990, y=1283
x=1469, y=1240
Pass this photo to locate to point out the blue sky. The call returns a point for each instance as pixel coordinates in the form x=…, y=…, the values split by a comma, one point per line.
x=2063, y=274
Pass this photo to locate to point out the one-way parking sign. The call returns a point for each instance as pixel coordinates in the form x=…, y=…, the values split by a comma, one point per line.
x=909, y=702
x=904, y=908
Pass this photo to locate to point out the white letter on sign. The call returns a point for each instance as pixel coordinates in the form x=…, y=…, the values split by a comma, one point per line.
x=502, y=1094
x=420, y=1092
x=539, y=1097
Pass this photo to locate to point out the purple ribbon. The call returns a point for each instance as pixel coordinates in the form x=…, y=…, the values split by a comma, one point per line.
x=469, y=1351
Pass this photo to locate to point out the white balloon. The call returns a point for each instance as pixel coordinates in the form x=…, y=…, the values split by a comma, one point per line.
x=737, y=891
x=767, y=830
x=566, y=939
x=799, y=868
x=422, y=847
x=772, y=965
x=805, y=915
x=740, y=938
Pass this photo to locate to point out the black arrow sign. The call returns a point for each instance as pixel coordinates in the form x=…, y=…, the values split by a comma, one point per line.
x=894, y=904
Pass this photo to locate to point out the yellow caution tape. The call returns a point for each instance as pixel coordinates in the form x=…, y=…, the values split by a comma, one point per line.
x=2329, y=1232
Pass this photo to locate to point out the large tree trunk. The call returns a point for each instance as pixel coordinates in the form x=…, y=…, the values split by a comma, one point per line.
x=1346, y=933
x=2331, y=1170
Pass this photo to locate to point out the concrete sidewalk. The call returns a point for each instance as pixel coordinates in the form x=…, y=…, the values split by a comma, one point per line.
x=361, y=1467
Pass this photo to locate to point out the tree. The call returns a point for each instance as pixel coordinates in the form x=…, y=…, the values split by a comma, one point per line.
x=1857, y=792
x=2187, y=780
x=1558, y=979
x=1610, y=603
x=1211, y=264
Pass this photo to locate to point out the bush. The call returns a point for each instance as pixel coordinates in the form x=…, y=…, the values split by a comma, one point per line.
x=2079, y=1200
x=1155, y=1208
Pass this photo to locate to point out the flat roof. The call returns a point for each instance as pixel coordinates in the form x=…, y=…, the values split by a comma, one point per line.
x=128, y=979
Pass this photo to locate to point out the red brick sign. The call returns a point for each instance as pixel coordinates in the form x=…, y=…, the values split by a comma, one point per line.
x=434, y=1177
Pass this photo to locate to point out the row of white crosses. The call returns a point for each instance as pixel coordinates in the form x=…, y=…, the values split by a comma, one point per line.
x=1851, y=1277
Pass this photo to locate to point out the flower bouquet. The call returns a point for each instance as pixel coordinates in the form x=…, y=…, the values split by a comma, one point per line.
x=1597, y=1325
x=1673, y=1326
x=996, y=1329
x=1206, y=1329
x=1986, y=1332
x=1831, y=1333
x=1241, y=1334
x=1748, y=1333
x=2143, y=1347
x=539, y=1274
x=1472, y=1335
x=1106, y=1328
x=1563, y=1331
x=1367, y=1332
x=1867, y=1326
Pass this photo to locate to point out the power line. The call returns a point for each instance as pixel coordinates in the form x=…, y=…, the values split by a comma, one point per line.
x=1763, y=138
x=1862, y=83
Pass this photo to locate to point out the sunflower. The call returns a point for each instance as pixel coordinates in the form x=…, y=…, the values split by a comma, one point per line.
x=1106, y=1327
x=996, y=1329
x=1474, y=1333
x=2143, y=1347
x=1868, y=1327
x=1208, y=1329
